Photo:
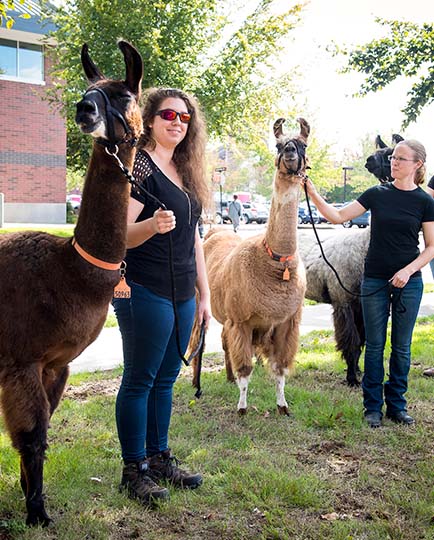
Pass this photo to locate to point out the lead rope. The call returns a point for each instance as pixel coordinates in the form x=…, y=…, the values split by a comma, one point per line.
x=198, y=352
x=353, y=293
x=140, y=190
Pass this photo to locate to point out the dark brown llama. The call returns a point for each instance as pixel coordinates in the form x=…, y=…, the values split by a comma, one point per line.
x=56, y=292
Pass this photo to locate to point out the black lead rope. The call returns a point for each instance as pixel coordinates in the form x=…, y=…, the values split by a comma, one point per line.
x=353, y=293
x=144, y=194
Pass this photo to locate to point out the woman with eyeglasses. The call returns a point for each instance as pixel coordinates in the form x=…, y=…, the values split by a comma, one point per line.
x=170, y=165
x=392, y=280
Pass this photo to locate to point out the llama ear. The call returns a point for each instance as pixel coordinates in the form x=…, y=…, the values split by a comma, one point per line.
x=304, y=129
x=93, y=74
x=277, y=127
x=134, y=67
x=379, y=142
x=397, y=138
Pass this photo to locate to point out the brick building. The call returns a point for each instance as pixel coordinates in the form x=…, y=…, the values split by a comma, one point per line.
x=32, y=135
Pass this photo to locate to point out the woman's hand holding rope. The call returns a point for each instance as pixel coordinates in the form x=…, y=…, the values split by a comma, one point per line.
x=164, y=221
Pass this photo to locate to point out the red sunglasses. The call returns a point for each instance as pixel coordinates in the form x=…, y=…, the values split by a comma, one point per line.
x=170, y=115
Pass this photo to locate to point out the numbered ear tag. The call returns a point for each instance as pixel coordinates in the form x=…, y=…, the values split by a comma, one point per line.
x=122, y=289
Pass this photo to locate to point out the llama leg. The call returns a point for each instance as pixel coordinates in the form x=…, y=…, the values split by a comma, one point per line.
x=243, y=385
x=347, y=323
x=229, y=373
x=240, y=351
x=26, y=413
x=54, y=383
x=285, y=345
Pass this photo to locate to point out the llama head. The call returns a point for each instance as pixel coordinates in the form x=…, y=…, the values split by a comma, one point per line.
x=291, y=151
x=378, y=163
x=109, y=110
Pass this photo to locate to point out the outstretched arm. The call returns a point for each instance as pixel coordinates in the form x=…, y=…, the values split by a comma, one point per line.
x=334, y=215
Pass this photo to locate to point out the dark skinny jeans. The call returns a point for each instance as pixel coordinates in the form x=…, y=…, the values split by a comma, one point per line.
x=151, y=366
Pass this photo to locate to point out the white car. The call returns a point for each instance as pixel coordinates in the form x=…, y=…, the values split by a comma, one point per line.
x=75, y=200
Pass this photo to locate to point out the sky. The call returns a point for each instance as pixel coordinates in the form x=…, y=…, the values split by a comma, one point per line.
x=336, y=116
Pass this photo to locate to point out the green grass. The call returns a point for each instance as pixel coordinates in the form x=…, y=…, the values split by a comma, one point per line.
x=428, y=287
x=320, y=474
x=64, y=231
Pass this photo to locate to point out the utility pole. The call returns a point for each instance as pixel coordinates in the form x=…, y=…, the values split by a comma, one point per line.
x=221, y=172
x=345, y=169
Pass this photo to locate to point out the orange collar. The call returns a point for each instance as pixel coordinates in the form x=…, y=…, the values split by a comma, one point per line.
x=276, y=256
x=93, y=260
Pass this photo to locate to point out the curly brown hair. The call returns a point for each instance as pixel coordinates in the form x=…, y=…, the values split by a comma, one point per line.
x=189, y=154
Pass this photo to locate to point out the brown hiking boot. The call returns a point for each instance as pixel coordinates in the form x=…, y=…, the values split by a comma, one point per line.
x=139, y=485
x=164, y=466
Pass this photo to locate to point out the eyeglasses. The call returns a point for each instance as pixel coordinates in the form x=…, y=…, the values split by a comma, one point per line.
x=400, y=159
x=170, y=115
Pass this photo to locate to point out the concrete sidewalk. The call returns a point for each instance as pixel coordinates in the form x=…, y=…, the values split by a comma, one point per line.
x=106, y=351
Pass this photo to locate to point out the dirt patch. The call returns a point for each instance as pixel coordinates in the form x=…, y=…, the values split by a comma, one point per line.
x=211, y=363
x=107, y=387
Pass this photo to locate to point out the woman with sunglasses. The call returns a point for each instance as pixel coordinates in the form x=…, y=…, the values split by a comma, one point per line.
x=392, y=280
x=170, y=165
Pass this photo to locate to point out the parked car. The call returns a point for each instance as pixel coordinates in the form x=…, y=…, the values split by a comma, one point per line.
x=304, y=217
x=255, y=212
x=74, y=199
x=221, y=213
x=362, y=221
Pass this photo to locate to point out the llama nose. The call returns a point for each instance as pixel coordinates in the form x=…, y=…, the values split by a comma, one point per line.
x=86, y=107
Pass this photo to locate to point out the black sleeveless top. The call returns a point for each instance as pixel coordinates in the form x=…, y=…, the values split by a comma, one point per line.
x=148, y=264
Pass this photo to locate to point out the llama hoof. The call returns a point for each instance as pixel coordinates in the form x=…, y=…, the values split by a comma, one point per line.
x=242, y=412
x=353, y=383
x=36, y=520
x=283, y=410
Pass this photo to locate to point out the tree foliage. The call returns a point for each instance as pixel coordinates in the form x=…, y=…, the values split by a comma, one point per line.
x=6, y=7
x=407, y=51
x=183, y=44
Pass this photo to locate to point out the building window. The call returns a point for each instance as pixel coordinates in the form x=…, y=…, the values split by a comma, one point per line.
x=22, y=61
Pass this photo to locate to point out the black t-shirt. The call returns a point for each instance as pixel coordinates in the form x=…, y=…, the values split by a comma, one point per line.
x=431, y=182
x=148, y=264
x=396, y=219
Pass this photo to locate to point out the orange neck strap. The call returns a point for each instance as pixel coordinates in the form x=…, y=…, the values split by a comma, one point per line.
x=276, y=256
x=93, y=260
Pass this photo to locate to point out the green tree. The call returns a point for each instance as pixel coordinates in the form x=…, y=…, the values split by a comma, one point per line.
x=407, y=50
x=183, y=44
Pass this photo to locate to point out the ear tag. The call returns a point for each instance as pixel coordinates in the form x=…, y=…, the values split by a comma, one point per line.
x=122, y=289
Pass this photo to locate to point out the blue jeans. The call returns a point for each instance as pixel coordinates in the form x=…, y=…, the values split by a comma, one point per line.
x=151, y=366
x=404, y=307
x=432, y=267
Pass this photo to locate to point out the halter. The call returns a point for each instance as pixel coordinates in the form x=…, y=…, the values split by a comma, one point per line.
x=111, y=114
x=385, y=173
